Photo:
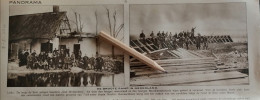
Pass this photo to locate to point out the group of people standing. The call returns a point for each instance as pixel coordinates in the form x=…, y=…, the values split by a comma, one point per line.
x=60, y=59
x=182, y=39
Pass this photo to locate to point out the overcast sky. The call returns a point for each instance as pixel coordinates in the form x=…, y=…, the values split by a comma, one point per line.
x=215, y=18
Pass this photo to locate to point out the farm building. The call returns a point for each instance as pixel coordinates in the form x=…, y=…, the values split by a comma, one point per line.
x=45, y=32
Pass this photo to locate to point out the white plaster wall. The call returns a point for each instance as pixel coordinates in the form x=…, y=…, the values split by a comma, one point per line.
x=69, y=43
x=55, y=42
x=37, y=45
x=88, y=47
x=106, y=49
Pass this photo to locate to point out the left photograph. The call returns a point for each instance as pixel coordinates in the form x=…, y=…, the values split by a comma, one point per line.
x=57, y=46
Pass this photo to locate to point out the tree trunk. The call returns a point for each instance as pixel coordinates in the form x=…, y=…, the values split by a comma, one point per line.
x=97, y=54
x=113, y=80
x=113, y=52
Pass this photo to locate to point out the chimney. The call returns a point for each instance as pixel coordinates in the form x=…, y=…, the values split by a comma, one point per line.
x=56, y=9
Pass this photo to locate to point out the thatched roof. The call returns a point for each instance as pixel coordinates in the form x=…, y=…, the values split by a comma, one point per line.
x=35, y=26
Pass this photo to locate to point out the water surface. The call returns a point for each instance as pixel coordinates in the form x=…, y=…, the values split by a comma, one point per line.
x=64, y=79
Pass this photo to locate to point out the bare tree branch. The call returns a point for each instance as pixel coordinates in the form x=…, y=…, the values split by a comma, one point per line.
x=114, y=29
x=110, y=28
x=96, y=22
x=122, y=38
x=80, y=25
x=76, y=21
x=119, y=29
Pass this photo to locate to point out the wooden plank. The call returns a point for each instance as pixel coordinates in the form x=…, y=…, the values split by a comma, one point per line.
x=174, y=71
x=173, y=54
x=177, y=61
x=176, y=65
x=214, y=39
x=182, y=65
x=133, y=43
x=175, y=68
x=142, y=45
x=195, y=53
x=230, y=39
x=184, y=79
x=148, y=45
x=187, y=52
x=159, y=50
x=236, y=81
x=177, y=53
x=224, y=39
x=151, y=43
x=173, y=74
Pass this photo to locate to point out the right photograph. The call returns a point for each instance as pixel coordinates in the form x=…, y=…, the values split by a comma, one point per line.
x=198, y=44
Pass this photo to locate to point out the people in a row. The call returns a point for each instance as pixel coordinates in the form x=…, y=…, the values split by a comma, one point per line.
x=178, y=40
x=59, y=59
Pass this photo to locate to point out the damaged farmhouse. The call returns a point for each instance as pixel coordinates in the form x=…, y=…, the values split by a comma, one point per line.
x=45, y=32
x=49, y=49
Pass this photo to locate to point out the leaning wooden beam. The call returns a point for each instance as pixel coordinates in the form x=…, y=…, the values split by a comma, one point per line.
x=177, y=53
x=195, y=53
x=173, y=54
x=174, y=66
x=151, y=44
x=174, y=74
x=149, y=72
x=142, y=45
x=159, y=50
x=226, y=37
x=188, y=53
x=178, y=61
x=135, y=45
x=177, y=64
x=230, y=39
x=214, y=39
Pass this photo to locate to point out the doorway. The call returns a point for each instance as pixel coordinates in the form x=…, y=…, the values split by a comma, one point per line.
x=76, y=50
x=46, y=47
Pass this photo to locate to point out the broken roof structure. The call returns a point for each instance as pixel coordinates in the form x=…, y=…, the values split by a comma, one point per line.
x=40, y=25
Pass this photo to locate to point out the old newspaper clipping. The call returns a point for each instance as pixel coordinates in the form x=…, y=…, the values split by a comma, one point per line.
x=50, y=49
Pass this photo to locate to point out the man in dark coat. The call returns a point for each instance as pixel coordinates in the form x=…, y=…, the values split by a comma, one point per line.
x=100, y=63
x=159, y=35
x=92, y=63
x=26, y=54
x=205, y=43
x=85, y=62
x=198, y=41
x=66, y=61
x=142, y=36
x=181, y=41
x=187, y=40
x=152, y=35
x=29, y=61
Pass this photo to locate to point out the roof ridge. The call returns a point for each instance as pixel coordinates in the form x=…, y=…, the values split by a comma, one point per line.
x=37, y=13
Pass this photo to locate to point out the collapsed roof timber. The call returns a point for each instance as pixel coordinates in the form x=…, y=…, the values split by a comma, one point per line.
x=43, y=32
x=42, y=26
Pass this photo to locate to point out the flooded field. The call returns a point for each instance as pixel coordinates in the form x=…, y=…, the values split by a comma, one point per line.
x=64, y=79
